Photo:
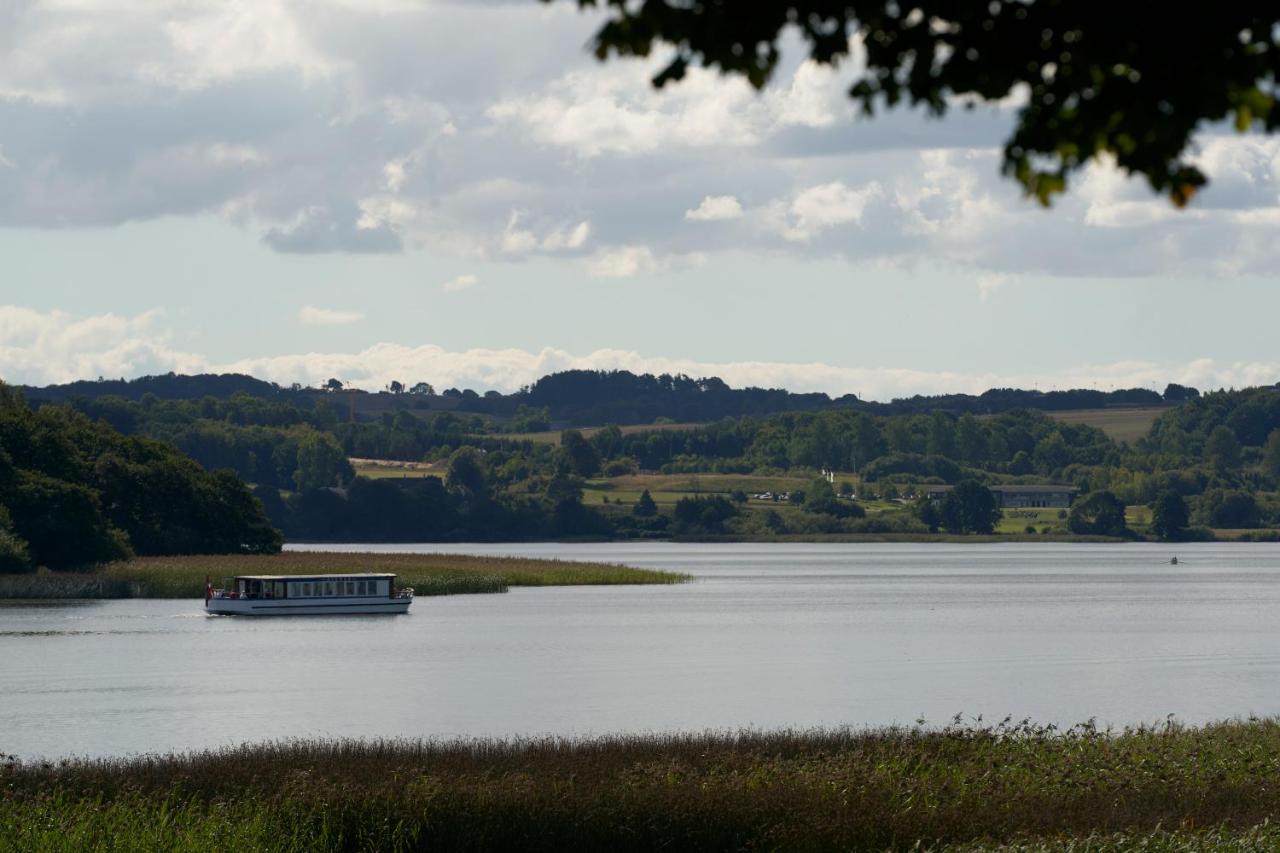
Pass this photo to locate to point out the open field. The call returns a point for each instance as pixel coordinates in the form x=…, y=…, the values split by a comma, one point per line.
x=553, y=436
x=1004, y=787
x=392, y=468
x=1017, y=520
x=666, y=489
x=428, y=574
x=1120, y=424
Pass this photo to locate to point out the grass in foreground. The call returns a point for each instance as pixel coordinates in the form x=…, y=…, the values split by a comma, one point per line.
x=1008, y=787
x=428, y=574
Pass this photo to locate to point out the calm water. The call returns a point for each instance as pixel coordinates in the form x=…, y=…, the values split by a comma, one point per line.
x=768, y=635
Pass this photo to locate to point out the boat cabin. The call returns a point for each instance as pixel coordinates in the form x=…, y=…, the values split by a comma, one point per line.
x=363, y=585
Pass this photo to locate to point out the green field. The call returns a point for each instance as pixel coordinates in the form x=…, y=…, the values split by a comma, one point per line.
x=957, y=788
x=395, y=469
x=553, y=436
x=1017, y=520
x=1120, y=424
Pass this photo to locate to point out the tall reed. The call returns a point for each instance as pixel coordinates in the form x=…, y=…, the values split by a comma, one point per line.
x=1012, y=786
x=428, y=574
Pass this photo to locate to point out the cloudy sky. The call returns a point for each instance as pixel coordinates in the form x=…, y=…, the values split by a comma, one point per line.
x=456, y=192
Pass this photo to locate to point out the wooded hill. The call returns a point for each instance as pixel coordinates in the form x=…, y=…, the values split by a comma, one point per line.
x=75, y=492
x=596, y=398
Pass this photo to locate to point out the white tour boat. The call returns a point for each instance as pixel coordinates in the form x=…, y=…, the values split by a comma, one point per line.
x=312, y=595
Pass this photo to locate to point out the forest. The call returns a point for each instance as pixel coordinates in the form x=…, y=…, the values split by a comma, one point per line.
x=74, y=492
x=1217, y=453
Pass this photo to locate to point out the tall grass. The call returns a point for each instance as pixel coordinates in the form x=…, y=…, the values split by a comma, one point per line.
x=428, y=574
x=48, y=584
x=1005, y=787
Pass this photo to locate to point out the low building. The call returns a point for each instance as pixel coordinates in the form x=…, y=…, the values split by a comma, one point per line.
x=1019, y=497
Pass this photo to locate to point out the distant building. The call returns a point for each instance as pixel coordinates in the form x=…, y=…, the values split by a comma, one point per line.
x=1019, y=497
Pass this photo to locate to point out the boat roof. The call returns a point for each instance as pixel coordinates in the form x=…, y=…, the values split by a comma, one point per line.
x=343, y=576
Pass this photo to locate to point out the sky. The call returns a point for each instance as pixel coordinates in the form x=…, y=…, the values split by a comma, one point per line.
x=459, y=193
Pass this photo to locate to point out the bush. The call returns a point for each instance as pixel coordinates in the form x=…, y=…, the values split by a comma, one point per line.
x=1098, y=514
x=621, y=467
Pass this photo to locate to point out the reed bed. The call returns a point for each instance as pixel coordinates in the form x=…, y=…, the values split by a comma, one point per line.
x=964, y=788
x=428, y=574
x=67, y=585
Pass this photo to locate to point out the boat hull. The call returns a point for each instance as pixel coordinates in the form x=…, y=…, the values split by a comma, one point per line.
x=355, y=606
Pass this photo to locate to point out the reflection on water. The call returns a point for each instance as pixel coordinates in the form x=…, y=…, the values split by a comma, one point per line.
x=766, y=636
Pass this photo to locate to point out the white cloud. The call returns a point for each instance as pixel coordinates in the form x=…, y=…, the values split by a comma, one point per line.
x=45, y=347
x=622, y=262
x=518, y=241
x=715, y=208
x=612, y=110
x=309, y=315
x=460, y=282
x=818, y=208
x=991, y=282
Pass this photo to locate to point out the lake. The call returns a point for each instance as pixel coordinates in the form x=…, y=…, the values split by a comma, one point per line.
x=767, y=635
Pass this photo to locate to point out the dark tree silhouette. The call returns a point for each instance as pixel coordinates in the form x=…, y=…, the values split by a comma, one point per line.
x=1133, y=80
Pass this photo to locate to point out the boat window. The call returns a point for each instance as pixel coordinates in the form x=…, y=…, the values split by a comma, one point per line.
x=351, y=587
x=328, y=588
x=363, y=589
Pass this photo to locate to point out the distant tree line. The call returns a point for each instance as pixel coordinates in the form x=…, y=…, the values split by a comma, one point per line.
x=596, y=398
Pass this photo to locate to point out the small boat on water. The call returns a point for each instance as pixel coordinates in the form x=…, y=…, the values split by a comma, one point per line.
x=312, y=595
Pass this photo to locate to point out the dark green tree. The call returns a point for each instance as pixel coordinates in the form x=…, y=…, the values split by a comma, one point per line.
x=321, y=462
x=582, y=456
x=971, y=440
x=969, y=508
x=820, y=497
x=1098, y=514
x=1169, y=515
x=1222, y=449
x=1271, y=454
x=63, y=523
x=645, y=506
x=928, y=513
x=466, y=476
x=1131, y=82
x=940, y=439
x=1227, y=508
x=15, y=556
x=1051, y=453
x=1021, y=463
x=703, y=514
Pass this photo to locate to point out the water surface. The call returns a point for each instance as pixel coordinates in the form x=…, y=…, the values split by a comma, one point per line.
x=767, y=635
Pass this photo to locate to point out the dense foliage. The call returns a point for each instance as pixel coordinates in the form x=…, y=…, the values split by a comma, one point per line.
x=75, y=492
x=1219, y=452
x=1127, y=82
